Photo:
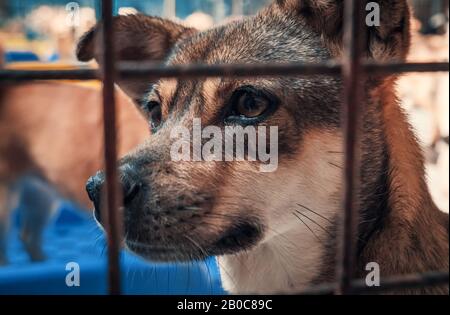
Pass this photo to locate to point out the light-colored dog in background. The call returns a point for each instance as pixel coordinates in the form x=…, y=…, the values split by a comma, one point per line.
x=51, y=141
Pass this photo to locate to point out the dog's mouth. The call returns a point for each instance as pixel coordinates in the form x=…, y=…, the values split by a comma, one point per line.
x=239, y=237
x=157, y=253
x=169, y=225
x=198, y=247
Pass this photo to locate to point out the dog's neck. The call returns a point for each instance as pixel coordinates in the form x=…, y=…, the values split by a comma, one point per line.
x=286, y=263
x=403, y=243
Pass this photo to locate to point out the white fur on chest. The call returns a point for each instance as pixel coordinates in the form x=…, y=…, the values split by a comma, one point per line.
x=280, y=266
x=292, y=252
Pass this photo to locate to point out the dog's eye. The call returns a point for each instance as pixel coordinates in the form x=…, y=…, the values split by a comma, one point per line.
x=153, y=110
x=249, y=105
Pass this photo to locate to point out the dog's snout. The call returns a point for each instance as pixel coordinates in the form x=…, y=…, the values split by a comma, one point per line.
x=128, y=180
x=94, y=185
x=93, y=188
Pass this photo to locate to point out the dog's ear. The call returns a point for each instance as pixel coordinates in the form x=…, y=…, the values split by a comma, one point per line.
x=137, y=38
x=387, y=40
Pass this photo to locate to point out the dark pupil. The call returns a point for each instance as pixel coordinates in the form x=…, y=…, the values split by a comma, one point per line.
x=249, y=103
x=249, y=106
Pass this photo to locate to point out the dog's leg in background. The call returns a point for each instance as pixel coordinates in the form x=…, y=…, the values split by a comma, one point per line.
x=8, y=202
x=37, y=202
x=4, y=221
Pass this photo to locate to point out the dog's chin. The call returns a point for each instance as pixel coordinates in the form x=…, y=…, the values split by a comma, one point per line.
x=237, y=238
x=164, y=253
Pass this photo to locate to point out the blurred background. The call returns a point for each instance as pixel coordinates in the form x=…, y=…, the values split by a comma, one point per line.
x=43, y=34
x=46, y=31
x=49, y=27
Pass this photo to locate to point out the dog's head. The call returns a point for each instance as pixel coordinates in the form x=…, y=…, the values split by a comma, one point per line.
x=182, y=210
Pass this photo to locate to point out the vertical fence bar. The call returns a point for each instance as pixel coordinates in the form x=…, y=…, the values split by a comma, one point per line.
x=109, y=211
x=352, y=76
x=169, y=9
x=237, y=7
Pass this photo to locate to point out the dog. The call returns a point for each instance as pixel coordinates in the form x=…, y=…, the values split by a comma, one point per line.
x=47, y=141
x=259, y=224
x=274, y=232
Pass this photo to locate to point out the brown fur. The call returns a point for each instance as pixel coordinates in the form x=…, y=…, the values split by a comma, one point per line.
x=396, y=209
x=415, y=234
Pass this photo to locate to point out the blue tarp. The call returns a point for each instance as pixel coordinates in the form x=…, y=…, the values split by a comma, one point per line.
x=73, y=237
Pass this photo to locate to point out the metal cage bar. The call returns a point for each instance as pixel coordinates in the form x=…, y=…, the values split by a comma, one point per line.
x=352, y=70
x=152, y=71
x=109, y=209
x=352, y=108
x=358, y=286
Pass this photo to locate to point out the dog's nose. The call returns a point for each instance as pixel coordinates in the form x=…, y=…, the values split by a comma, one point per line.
x=93, y=188
x=94, y=185
x=128, y=181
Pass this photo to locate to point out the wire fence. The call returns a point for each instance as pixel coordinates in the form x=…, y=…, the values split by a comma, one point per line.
x=352, y=70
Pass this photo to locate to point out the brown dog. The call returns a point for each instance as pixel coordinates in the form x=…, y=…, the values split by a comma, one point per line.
x=51, y=132
x=276, y=231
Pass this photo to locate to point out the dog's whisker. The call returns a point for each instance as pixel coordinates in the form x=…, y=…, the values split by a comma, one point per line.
x=284, y=237
x=240, y=257
x=196, y=244
x=222, y=268
x=239, y=218
x=335, y=152
x=315, y=212
x=283, y=265
x=307, y=226
x=335, y=165
x=320, y=226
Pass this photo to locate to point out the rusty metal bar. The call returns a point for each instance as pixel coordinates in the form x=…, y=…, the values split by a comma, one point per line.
x=359, y=286
x=30, y=75
x=411, y=281
x=391, y=68
x=352, y=75
x=151, y=71
x=109, y=210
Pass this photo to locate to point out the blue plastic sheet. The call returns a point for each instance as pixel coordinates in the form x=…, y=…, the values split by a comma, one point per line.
x=73, y=237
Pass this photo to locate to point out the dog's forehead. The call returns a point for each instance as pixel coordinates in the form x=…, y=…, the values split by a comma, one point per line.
x=262, y=38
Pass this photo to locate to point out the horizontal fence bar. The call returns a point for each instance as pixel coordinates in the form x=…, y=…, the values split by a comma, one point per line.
x=151, y=71
x=371, y=68
x=230, y=70
x=411, y=281
x=31, y=75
